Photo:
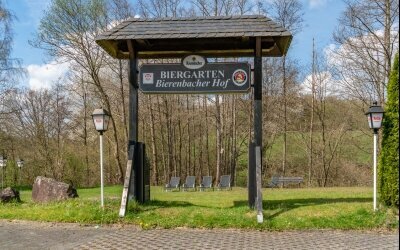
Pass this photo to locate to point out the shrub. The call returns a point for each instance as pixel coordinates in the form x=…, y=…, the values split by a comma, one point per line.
x=389, y=156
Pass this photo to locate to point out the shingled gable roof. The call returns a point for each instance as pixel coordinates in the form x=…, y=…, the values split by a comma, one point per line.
x=220, y=36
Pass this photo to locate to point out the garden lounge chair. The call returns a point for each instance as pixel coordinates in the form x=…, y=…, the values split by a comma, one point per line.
x=206, y=183
x=189, y=183
x=173, y=184
x=225, y=182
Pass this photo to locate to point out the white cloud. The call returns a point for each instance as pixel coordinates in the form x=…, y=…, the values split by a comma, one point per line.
x=368, y=46
x=359, y=72
x=43, y=76
x=316, y=3
x=324, y=86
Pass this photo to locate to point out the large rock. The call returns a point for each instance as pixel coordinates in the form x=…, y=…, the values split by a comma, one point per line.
x=47, y=189
x=9, y=194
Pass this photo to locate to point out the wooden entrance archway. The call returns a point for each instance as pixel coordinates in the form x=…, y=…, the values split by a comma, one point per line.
x=221, y=36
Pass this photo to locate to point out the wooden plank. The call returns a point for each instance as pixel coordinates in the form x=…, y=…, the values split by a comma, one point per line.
x=127, y=181
x=260, y=216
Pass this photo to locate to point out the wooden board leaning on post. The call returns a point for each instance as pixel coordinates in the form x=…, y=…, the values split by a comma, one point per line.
x=127, y=181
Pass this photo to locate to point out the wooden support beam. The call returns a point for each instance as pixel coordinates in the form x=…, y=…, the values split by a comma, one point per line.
x=258, y=121
x=133, y=92
x=128, y=191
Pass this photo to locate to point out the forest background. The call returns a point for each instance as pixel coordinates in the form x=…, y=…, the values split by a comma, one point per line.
x=314, y=128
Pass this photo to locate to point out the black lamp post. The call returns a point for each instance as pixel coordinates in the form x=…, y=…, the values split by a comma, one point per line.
x=375, y=117
x=3, y=164
x=101, y=118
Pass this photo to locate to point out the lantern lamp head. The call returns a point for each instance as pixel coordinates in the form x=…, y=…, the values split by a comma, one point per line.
x=20, y=163
x=101, y=118
x=3, y=161
x=375, y=116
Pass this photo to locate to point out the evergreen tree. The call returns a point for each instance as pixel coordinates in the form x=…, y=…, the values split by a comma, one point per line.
x=389, y=156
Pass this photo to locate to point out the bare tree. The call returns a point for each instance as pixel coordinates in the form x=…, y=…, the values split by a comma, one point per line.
x=310, y=163
x=155, y=8
x=79, y=93
x=326, y=131
x=43, y=116
x=367, y=36
x=67, y=32
x=10, y=68
x=289, y=14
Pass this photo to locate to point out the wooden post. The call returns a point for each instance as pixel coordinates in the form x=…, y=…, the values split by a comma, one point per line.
x=133, y=93
x=129, y=181
x=133, y=113
x=258, y=120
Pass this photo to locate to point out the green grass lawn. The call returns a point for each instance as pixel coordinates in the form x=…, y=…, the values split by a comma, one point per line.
x=284, y=209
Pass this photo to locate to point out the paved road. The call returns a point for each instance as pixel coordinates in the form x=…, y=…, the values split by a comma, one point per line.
x=32, y=235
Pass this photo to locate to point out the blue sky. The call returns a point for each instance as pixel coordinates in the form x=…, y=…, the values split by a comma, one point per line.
x=28, y=14
x=320, y=19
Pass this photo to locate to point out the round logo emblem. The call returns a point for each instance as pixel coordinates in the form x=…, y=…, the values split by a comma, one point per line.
x=194, y=62
x=239, y=77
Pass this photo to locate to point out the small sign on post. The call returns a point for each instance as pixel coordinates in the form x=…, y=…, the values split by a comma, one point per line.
x=195, y=75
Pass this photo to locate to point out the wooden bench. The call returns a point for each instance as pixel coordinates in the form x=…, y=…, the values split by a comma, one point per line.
x=276, y=180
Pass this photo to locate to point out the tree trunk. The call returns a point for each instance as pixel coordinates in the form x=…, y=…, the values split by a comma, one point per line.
x=153, y=143
x=166, y=174
x=200, y=143
x=387, y=48
x=284, y=117
x=122, y=96
x=310, y=164
x=180, y=139
x=234, y=141
x=207, y=139
x=189, y=151
x=85, y=134
x=194, y=139
x=218, y=138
